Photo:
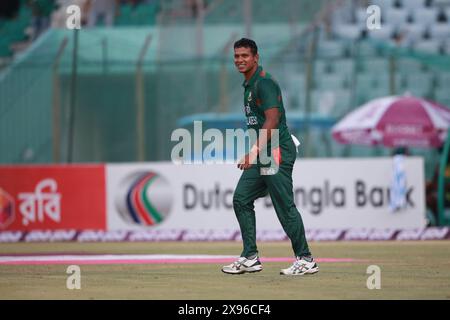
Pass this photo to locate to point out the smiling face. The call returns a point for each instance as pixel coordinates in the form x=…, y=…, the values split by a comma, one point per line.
x=245, y=61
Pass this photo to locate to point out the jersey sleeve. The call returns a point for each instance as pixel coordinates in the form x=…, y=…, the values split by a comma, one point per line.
x=269, y=95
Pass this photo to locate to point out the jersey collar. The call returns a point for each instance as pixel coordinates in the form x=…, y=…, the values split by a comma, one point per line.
x=252, y=80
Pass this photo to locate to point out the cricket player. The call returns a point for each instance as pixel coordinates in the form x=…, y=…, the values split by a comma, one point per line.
x=263, y=107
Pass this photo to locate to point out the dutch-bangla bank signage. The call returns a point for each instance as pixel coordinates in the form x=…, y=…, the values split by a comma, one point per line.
x=329, y=193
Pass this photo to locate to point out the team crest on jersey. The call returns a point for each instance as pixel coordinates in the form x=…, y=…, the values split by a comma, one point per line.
x=247, y=110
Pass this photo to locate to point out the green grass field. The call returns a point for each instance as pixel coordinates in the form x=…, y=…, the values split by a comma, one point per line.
x=409, y=270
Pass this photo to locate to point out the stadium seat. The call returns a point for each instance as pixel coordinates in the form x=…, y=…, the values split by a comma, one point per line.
x=142, y=14
x=417, y=91
x=383, y=4
x=347, y=31
x=413, y=32
x=364, y=81
x=361, y=17
x=425, y=16
x=287, y=101
x=343, y=102
x=378, y=93
x=395, y=17
x=385, y=33
x=321, y=102
x=366, y=48
x=298, y=100
x=125, y=15
x=413, y=4
x=420, y=83
x=324, y=34
x=442, y=17
x=446, y=47
x=330, y=102
x=330, y=48
x=292, y=65
x=440, y=31
x=383, y=82
x=226, y=9
x=321, y=67
x=364, y=96
x=331, y=81
x=442, y=96
x=376, y=65
x=344, y=66
x=13, y=30
x=428, y=46
x=5, y=49
x=447, y=13
x=443, y=79
x=341, y=15
x=408, y=66
x=295, y=83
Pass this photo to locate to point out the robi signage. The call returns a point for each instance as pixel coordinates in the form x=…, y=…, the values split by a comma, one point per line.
x=7, y=214
x=52, y=197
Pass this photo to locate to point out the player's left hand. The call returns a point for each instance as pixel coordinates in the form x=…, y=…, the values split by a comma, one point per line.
x=247, y=161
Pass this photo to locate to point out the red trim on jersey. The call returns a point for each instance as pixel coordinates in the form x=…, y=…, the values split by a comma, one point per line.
x=277, y=155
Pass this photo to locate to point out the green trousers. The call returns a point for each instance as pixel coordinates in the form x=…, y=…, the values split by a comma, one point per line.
x=251, y=186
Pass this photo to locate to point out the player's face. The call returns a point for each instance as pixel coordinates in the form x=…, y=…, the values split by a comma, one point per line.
x=244, y=60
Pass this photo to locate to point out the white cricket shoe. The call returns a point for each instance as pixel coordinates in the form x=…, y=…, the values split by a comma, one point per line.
x=243, y=265
x=301, y=266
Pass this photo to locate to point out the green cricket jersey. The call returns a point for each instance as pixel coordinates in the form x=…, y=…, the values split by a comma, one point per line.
x=262, y=92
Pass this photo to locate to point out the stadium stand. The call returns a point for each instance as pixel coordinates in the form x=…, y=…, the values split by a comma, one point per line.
x=20, y=27
x=12, y=30
x=351, y=65
x=137, y=15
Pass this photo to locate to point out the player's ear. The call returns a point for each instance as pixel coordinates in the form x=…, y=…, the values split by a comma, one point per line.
x=257, y=57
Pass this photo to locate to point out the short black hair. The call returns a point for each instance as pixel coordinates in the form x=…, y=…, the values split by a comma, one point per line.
x=247, y=43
